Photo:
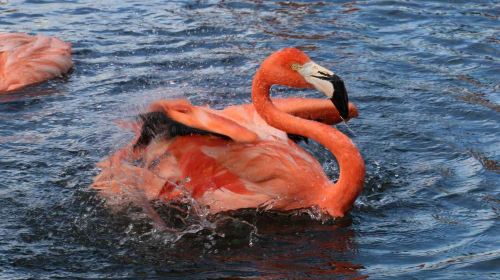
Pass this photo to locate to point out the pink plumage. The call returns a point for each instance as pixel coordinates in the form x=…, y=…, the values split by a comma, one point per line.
x=27, y=60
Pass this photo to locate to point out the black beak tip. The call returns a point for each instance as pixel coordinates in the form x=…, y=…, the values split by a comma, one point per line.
x=344, y=114
x=341, y=100
x=342, y=107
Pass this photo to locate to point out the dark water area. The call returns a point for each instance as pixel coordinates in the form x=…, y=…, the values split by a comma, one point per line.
x=424, y=75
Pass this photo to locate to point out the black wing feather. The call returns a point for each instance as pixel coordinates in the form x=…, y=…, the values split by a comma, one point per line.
x=297, y=138
x=158, y=124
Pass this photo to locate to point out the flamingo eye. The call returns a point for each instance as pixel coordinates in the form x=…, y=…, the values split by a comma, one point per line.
x=296, y=66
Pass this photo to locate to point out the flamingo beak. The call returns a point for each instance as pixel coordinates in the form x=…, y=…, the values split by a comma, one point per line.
x=329, y=84
x=340, y=98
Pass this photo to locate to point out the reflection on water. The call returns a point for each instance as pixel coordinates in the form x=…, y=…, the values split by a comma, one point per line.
x=423, y=74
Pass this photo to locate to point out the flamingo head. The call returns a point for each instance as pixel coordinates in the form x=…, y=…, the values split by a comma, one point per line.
x=292, y=67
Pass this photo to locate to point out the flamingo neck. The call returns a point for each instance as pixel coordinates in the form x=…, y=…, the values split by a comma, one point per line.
x=336, y=198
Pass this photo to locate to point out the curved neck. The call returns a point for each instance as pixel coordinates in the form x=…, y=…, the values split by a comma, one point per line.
x=339, y=197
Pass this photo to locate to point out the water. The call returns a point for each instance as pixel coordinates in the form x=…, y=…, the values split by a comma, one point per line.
x=424, y=75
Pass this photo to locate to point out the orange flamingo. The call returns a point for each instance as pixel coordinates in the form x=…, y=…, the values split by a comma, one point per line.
x=27, y=60
x=241, y=157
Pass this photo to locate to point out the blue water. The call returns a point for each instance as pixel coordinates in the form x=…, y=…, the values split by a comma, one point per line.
x=424, y=75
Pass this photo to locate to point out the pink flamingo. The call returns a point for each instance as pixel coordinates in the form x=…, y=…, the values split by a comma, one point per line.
x=242, y=157
x=27, y=60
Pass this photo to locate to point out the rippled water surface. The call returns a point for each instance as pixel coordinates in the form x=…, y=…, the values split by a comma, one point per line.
x=424, y=75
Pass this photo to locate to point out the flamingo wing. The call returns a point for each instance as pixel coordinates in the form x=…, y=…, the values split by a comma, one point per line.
x=320, y=110
x=26, y=59
x=316, y=109
x=222, y=174
x=189, y=119
x=270, y=174
x=240, y=123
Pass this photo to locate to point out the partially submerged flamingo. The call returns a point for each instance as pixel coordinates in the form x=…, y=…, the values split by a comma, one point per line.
x=232, y=159
x=27, y=60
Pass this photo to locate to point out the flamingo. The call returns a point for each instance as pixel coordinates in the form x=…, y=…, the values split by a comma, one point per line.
x=27, y=60
x=242, y=156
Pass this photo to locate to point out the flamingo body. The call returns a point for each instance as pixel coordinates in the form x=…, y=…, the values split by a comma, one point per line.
x=224, y=174
x=27, y=60
x=258, y=166
x=237, y=175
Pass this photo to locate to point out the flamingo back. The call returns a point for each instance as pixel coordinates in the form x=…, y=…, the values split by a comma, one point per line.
x=26, y=60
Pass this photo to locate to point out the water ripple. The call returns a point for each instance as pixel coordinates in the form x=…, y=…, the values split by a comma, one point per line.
x=424, y=75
